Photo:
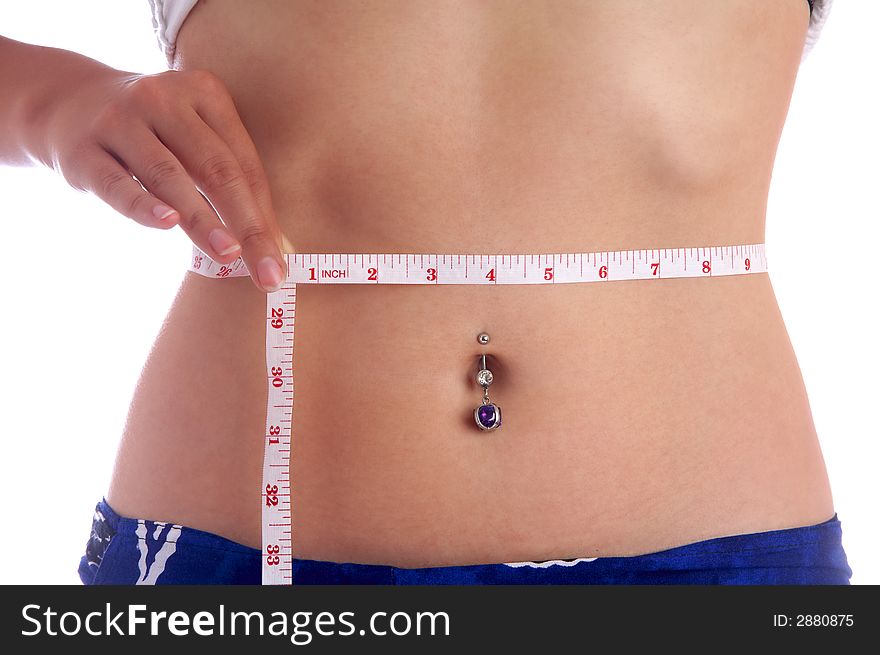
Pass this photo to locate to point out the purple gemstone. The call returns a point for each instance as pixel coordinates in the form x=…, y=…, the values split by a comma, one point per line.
x=486, y=415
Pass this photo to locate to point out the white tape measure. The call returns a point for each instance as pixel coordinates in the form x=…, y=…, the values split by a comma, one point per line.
x=278, y=554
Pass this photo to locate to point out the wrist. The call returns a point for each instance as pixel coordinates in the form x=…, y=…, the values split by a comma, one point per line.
x=72, y=77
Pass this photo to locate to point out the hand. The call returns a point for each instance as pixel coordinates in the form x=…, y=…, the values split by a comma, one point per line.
x=180, y=135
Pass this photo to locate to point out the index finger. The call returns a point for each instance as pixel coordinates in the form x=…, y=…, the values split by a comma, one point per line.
x=219, y=174
x=217, y=110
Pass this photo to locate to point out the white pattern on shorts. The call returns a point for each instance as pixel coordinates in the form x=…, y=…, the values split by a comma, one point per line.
x=149, y=574
x=551, y=562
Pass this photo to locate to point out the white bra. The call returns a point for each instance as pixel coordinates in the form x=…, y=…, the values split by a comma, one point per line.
x=168, y=16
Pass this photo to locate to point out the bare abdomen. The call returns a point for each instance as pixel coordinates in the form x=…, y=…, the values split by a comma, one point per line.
x=638, y=415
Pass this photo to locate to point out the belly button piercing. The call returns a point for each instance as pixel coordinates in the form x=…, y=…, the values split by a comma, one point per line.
x=483, y=338
x=487, y=415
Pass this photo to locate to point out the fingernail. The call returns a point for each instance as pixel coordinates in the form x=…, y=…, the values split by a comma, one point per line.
x=269, y=273
x=222, y=242
x=163, y=212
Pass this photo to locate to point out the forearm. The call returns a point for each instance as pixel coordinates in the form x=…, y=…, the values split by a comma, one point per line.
x=33, y=80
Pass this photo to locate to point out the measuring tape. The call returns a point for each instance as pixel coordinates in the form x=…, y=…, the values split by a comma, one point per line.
x=277, y=568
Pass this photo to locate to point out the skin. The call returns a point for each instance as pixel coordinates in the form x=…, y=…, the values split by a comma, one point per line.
x=639, y=415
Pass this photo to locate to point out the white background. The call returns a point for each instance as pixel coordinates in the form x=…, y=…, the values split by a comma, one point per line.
x=85, y=292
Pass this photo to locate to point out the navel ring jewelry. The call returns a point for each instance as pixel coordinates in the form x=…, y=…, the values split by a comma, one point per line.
x=487, y=415
x=483, y=338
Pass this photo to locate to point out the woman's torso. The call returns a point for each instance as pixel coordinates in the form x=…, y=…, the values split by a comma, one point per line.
x=638, y=415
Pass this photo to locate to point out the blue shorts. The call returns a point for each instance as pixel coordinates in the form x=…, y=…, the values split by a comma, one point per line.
x=125, y=550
